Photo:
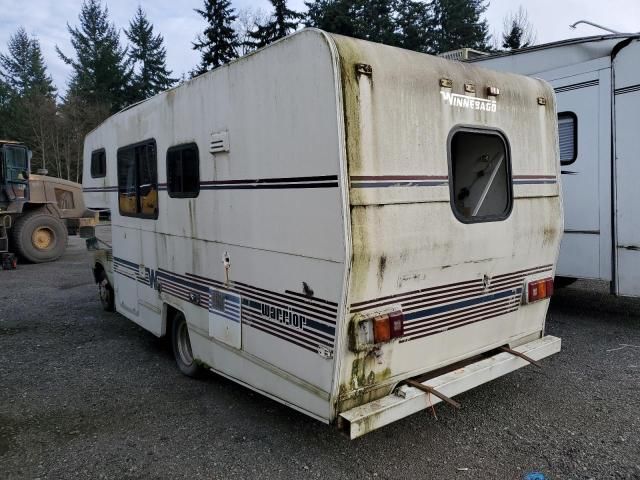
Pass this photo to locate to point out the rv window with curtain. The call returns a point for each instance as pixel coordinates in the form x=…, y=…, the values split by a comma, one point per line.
x=568, y=137
x=98, y=164
x=480, y=175
x=183, y=171
x=138, y=180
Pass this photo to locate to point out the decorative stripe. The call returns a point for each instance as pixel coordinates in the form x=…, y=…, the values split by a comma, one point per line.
x=304, y=321
x=534, y=179
x=629, y=89
x=100, y=189
x=398, y=181
x=576, y=86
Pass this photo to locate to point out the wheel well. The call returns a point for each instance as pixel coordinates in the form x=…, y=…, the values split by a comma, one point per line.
x=97, y=269
x=169, y=314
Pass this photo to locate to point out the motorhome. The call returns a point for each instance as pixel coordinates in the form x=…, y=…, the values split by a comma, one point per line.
x=597, y=85
x=354, y=230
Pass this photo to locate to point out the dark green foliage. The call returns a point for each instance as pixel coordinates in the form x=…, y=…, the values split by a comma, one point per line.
x=518, y=32
x=148, y=58
x=283, y=21
x=457, y=25
x=100, y=68
x=23, y=69
x=414, y=24
x=219, y=43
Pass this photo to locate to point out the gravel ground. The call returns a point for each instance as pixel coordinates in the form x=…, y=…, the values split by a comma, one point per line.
x=86, y=394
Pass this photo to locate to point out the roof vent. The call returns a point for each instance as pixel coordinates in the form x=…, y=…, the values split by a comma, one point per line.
x=219, y=142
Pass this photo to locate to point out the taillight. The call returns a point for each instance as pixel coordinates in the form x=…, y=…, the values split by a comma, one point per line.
x=379, y=329
x=539, y=290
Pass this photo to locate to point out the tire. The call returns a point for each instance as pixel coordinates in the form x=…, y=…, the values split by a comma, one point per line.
x=39, y=237
x=181, y=345
x=105, y=292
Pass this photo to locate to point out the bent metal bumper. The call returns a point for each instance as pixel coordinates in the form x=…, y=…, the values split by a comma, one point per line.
x=407, y=400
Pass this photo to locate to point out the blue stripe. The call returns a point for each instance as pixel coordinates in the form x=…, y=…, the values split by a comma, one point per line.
x=126, y=262
x=231, y=298
x=533, y=182
x=180, y=281
x=222, y=314
x=465, y=303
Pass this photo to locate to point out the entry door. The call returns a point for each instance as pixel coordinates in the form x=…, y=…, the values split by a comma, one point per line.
x=583, y=123
x=627, y=169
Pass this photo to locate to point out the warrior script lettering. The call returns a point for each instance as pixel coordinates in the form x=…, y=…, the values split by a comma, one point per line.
x=284, y=316
x=473, y=103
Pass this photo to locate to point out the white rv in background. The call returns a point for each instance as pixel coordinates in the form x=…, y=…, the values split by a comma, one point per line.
x=337, y=224
x=597, y=85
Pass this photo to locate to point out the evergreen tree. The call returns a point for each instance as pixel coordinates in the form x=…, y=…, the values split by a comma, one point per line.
x=458, y=25
x=100, y=70
x=147, y=57
x=414, y=22
x=282, y=22
x=518, y=32
x=23, y=68
x=219, y=43
x=335, y=16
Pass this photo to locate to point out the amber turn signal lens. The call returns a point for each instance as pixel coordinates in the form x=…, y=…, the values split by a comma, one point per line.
x=381, y=329
x=540, y=289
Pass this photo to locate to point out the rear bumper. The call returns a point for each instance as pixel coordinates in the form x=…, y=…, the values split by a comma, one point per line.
x=407, y=400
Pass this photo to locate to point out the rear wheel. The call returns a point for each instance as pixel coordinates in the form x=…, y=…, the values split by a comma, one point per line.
x=39, y=237
x=182, y=347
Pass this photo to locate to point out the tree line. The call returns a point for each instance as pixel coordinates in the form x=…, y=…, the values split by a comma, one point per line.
x=109, y=74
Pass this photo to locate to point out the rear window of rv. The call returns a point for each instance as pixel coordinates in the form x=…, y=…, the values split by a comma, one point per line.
x=138, y=180
x=568, y=137
x=98, y=164
x=183, y=171
x=480, y=174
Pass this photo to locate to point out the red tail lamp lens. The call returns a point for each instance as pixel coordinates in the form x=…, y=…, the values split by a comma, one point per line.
x=396, y=324
x=540, y=289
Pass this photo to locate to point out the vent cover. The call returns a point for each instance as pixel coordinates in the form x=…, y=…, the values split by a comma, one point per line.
x=219, y=142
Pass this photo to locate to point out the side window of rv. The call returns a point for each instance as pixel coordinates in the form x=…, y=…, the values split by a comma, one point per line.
x=138, y=180
x=183, y=171
x=480, y=175
x=98, y=164
x=568, y=137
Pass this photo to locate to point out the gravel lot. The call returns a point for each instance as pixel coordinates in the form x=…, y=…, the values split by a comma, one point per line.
x=86, y=394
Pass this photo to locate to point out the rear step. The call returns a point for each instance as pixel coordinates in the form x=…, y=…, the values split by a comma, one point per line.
x=407, y=399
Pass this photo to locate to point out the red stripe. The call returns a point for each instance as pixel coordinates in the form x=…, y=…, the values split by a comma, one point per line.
x=533, y=177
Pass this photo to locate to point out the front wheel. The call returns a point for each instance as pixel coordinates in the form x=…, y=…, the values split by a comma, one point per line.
x=182, y=347
x=105, y=291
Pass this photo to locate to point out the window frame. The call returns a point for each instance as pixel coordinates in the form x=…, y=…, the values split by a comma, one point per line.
x=507, y=148
x=139, y=214
x=573, y=116
x=183, y=146
x=104, y=172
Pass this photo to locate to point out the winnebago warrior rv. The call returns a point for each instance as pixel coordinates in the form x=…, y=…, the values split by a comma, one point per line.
x=337, y=224
x=597, y=83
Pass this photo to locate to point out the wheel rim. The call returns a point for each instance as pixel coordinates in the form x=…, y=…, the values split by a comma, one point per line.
x=42, y=238
x=103, y=291
x=184, y=344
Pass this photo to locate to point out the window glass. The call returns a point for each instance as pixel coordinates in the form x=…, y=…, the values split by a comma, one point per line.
x=568, y=137
x=98, y=164
x=138, y=180
x=480, y=176
x=17, y=162
x=183, y=171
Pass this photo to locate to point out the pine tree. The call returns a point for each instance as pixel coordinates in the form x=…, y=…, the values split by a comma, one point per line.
x=100, y=70
x=23, y=68
x=147, y=57
x=414, y=22
x=335, y=16
x=282, y=22
x=518, y=31
x=219, y=43
x=458, y=25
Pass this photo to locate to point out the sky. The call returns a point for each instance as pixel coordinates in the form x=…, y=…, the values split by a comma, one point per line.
x=179, y=24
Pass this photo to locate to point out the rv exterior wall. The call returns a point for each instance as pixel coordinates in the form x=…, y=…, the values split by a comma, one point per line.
x=333, y=193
